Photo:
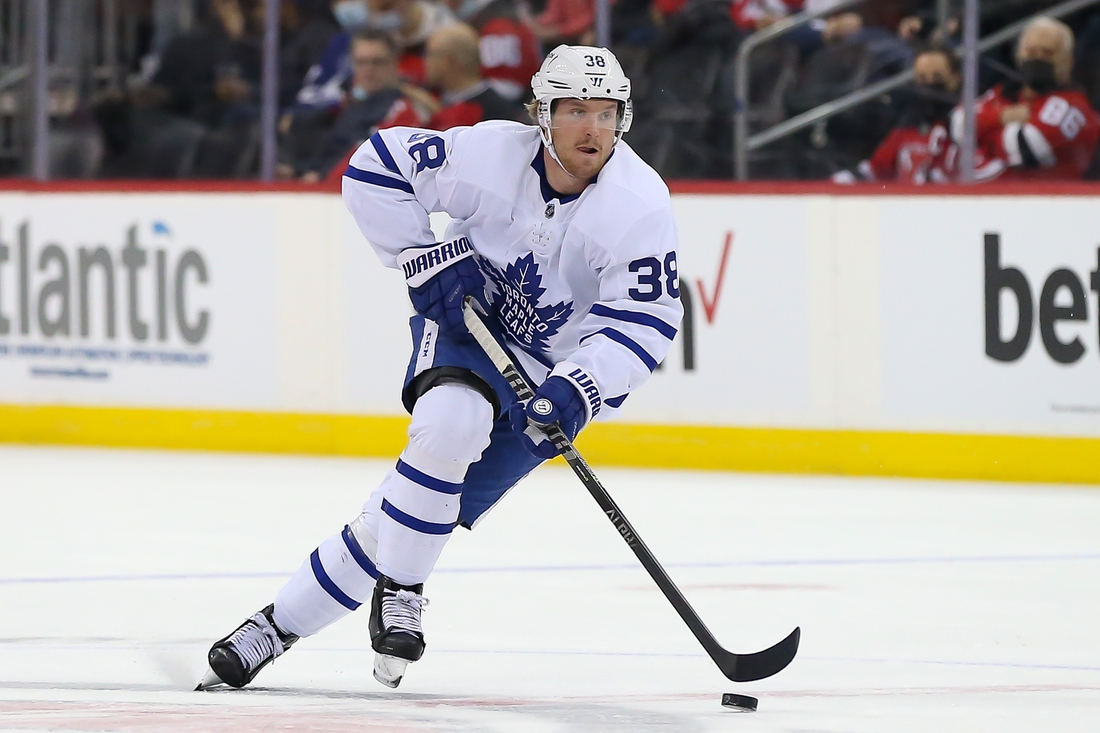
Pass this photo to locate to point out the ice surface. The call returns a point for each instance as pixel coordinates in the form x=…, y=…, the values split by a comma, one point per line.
x=924, y=606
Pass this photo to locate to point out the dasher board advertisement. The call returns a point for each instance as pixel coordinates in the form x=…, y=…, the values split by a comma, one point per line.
x=161, y=301
x=742, y=354
x=990, y=318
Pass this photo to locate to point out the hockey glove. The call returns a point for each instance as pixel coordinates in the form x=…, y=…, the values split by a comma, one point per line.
x=555, y=401
x=440, y=277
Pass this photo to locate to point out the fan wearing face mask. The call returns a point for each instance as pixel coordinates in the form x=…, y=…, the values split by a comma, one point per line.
x=410, y=22
x=1038, y=126
x=919, y=149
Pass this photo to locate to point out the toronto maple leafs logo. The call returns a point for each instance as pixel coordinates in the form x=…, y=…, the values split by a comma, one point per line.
x=516, y=300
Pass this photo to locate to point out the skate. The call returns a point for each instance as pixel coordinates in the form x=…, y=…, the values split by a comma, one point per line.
x=237, y=658
x=395, y=632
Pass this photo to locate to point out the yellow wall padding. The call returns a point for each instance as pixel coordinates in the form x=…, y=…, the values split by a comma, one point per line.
x=844, y=452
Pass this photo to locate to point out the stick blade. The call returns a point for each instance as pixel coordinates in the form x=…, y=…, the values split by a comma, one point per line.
x=750, y=667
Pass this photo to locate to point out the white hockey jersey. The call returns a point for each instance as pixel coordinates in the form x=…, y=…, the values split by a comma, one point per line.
x=585, y=285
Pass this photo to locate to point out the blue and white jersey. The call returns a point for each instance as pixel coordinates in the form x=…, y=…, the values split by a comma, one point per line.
x=585, y=285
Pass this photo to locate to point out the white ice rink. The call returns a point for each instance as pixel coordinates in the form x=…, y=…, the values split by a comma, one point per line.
x=924, y=606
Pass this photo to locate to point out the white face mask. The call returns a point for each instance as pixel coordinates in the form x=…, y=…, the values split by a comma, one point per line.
x=351, y=14
x=391, y=20
x=359, y=95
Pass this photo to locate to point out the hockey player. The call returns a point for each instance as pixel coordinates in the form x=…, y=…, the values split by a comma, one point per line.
x=1042, y=128
x=566, y=239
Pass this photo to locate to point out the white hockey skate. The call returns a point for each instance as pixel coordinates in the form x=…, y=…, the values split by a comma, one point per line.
x=395, y=631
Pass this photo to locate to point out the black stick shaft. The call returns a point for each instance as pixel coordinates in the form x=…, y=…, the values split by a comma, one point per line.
x=738, y=667
x=622, y=524
x=641, y=551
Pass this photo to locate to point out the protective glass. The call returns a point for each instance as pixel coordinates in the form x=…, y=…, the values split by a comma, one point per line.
x=577, y=117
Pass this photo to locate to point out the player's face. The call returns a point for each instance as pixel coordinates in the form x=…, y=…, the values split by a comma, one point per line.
x=584, y=133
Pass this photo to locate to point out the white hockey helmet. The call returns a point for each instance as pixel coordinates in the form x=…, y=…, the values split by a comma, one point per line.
x=581, y=72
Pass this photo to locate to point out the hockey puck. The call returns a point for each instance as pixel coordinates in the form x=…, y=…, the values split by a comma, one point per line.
x=741, y=703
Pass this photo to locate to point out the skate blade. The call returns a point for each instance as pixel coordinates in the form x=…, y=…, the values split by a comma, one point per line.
x=209, y=680
x=389, y=670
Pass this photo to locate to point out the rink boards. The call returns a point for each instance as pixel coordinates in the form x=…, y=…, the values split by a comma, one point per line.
x=861, y=332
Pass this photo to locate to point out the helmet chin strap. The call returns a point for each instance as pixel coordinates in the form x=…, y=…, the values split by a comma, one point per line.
x=548, y=141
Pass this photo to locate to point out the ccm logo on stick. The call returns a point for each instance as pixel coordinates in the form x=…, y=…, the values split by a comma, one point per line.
x=998, y=279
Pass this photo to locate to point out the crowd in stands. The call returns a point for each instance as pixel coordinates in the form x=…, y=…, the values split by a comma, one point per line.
x=191, y=108
x=684, y=122
x=1035, y=126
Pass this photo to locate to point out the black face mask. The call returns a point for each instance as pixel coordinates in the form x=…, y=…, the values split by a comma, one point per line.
x=1039, y=76
x=931, y=103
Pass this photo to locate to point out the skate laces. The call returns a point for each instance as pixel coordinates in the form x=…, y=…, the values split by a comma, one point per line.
x=401, y=611
x=256, y=641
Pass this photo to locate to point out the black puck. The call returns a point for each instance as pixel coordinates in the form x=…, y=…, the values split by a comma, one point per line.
x=742, y=703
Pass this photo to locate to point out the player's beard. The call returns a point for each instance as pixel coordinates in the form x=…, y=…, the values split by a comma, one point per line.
x=580, y=164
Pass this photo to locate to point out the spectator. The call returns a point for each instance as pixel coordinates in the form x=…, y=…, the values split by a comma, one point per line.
x=453, y=68
x=197, y=116
x=1037, y=128
x=324, y=82
x=924, y=25
x=918, y=148
x=453, y=64
x=375, y=94
x=566, y=21
x=510, y=53
x=308, y=26
x=692, y=25
x=213, y=71
x=756, y=15
x=413, y=22
x=410, y=21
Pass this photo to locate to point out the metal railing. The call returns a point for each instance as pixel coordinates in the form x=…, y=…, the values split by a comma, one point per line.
x=269, y=91
x=91, y=58
x=745, y=143
x=741, y=75
x=53, y=55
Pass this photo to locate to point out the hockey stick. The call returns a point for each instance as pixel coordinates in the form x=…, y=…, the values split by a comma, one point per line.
x=737, y=667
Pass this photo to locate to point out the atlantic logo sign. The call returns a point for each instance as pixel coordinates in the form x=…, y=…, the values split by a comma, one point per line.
x=130, y=301
x=1060, y=297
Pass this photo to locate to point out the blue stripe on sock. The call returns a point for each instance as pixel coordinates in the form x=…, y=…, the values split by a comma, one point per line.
x=377, y=179
x=412, y=522
x=326, y=582
x=642, y=319
x=357, y=552
x=384, y=153
x=628, y=342
x=419, y=477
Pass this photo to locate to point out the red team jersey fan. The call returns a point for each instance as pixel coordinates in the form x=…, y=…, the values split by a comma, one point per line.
x=1057, y=142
